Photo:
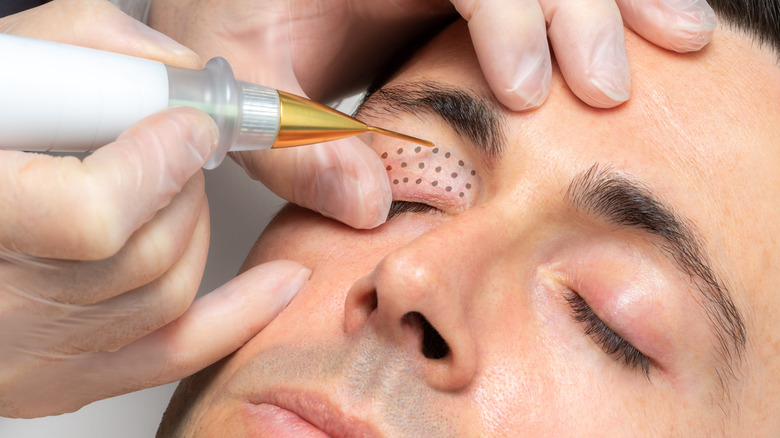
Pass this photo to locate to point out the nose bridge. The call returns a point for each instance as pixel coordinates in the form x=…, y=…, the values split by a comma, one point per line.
x=448, y=257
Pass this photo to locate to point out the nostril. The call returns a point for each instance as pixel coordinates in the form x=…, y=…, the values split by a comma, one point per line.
x=370, y=302
x=433, y=345
x=359, y=306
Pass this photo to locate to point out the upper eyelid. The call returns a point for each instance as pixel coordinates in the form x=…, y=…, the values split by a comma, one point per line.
x=436, y=176
x=621, y=348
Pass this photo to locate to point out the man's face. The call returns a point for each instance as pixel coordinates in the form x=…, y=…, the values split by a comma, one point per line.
x=570, y=270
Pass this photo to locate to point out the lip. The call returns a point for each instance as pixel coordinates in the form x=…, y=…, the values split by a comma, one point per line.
x=292, y=413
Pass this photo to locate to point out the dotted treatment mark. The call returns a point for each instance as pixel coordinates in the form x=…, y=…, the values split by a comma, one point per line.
x=437, y=169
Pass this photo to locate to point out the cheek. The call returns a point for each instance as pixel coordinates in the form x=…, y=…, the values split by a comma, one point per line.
x=300, y=235
x=324, y=244
x=538, y=376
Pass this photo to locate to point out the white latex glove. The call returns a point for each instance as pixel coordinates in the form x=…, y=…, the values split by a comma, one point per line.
x=100, y=259
x=511, y=41
x=325, y=49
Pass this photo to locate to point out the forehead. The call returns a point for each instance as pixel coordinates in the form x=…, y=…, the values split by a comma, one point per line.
x=702, y=130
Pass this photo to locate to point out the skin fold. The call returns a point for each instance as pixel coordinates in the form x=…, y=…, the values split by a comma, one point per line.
x=502, y=276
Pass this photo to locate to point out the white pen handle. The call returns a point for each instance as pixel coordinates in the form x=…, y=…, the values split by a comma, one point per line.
x=67, y=98
x=58, y=97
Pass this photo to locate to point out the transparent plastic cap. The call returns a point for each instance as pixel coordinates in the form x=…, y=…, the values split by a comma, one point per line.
x=247, y=115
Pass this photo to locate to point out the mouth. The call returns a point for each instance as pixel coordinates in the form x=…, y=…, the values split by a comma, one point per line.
x=294, y=414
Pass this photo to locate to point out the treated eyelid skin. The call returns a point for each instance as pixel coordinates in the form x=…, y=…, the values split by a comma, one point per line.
x=438, y=176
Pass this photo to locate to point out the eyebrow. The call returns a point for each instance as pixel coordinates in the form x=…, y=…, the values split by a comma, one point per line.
x=601, y=192
x=622, y=201
x=476, y=118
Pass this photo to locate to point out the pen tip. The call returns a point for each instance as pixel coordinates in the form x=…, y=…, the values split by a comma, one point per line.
x=400, y=136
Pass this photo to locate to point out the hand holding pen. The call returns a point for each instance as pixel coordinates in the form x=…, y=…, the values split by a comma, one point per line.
x=100, y=259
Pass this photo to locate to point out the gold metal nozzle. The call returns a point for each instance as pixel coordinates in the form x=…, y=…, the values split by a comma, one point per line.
x=303, y=121
x=400, y=136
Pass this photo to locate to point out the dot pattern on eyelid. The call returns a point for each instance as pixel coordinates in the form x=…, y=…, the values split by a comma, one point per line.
x=424, y=169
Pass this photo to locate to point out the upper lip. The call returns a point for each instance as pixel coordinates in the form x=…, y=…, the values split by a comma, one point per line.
x=320, y=412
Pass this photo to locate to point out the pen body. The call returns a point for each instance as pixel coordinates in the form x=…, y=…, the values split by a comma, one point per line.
x=58, y=97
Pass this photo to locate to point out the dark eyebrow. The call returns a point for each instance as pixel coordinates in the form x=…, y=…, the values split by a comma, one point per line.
x=475, y=118
x=625, y=202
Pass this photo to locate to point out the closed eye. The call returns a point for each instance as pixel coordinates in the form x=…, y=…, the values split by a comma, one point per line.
x=399, y=207
x=610, y=342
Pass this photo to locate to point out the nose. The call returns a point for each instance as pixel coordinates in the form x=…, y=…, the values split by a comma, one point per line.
x=421, y=297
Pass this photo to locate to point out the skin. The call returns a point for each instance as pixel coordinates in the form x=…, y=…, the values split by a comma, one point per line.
x=492, y=270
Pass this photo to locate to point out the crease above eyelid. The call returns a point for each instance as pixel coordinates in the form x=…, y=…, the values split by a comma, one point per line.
x=437, y=174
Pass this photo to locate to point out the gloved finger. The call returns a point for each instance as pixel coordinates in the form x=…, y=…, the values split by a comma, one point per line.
x=511, y=44
x=344, y=180
x=589, y=44
x=679, y=25
x=100, y=25
x=340, y=51
x=65, y=330
x=147, y=255
x=68, y=209
x=213, y=327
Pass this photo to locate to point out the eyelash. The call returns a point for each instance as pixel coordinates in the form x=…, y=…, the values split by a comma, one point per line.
x=399, y=207
x=610, y=342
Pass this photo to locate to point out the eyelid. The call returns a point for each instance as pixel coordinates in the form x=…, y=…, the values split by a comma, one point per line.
x=438, y=176
x=613, y=344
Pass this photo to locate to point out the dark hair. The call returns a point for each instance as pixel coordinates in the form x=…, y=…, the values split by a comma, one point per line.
x=758, y=18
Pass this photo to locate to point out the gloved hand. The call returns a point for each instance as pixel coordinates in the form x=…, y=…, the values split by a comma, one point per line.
x=100, y=259
x=327, y=48
x=511, y=41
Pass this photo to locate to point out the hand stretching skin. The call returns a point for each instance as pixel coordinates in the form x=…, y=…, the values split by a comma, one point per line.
x=511, y=41
x=100, y=259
